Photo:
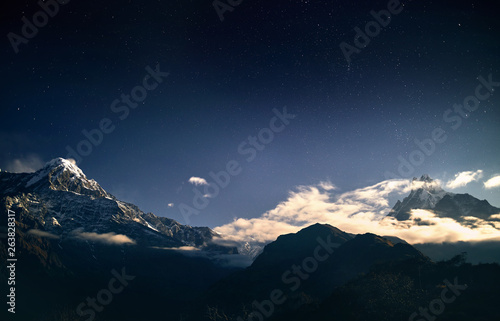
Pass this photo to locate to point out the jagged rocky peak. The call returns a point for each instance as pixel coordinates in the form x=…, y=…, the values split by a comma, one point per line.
x=424, y=178
x=427, y=194
x=426, y=183
x=64, y=175
x=60, y=165
x=61, y=200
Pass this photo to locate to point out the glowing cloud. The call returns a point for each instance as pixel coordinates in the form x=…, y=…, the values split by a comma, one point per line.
x=463, y=178
x=327, y=186
x=41, y=233
x=360, y=211
x=29, y=164
x=492, y=182
x=107, y=238
x=197, y=181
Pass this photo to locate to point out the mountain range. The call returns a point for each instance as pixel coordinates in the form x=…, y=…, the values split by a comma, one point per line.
x=427, y=194
x=72, y=237
x=60, y=200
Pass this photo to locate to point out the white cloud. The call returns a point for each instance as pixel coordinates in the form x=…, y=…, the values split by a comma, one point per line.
x=435, y=183
x=170, y=204
x=197, y=181
x=226, y=260
x=309, y=205
x=360, y=211
x=180, y=248
x=463, y=178
x=28, y=164
x=492, y=182
x=41, y=233
x=327, y=186
x=107, y=238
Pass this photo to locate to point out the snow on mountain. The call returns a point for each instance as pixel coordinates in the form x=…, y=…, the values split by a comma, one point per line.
x=427, y=194
x=60, y=199
x=56, y=168
x=251, y=249
x=63, y=175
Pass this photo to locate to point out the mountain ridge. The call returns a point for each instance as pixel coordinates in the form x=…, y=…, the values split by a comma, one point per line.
x=59, y=199
x=313, y=267
x=306, y=266
x=427, y=194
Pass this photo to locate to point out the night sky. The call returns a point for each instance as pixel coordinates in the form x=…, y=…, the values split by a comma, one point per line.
x=352, y=122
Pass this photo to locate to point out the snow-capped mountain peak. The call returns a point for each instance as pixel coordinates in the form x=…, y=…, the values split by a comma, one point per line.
x=426, y=183
x=63, y=174
x=56, y=168
x=427, y=194
x=424, y=178
x=60, y=200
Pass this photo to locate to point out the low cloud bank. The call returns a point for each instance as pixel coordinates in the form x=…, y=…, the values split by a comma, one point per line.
x=106, y=238
x=359, y=211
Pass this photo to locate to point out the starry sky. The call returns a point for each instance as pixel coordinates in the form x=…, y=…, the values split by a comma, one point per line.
x=215, y=86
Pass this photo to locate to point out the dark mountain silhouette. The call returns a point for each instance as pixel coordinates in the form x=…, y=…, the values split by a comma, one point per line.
x=306, y=266
x=411, y=290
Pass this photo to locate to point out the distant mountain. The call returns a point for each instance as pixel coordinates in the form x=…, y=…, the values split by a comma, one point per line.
x=60, y=199
x=428, y=195
x=251, y=249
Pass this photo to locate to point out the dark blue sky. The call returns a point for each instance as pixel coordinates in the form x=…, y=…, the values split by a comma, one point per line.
x=225, y=78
